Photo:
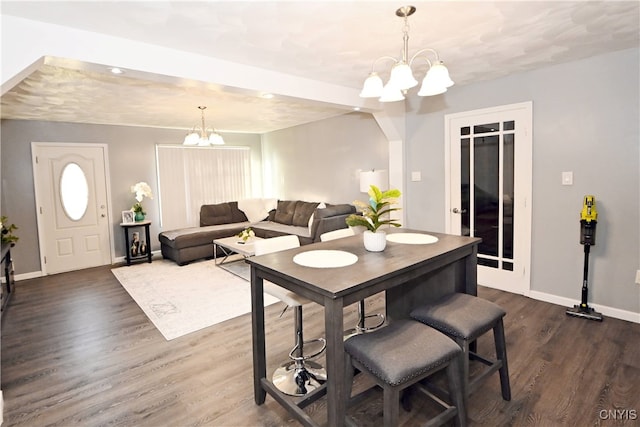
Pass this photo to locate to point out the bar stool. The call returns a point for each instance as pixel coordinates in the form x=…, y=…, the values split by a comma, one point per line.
x=360, y=326
x=400, y=355
x=300, y=375
x=464, y=318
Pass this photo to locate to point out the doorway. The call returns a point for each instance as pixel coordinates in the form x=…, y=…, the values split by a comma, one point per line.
x=489, y=190
x=72, y=201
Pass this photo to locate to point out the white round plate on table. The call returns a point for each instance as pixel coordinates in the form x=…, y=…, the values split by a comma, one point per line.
x=325, y=259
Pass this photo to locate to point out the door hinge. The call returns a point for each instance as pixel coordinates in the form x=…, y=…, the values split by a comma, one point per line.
x=45, y=259
x=40, y=210
x=36, y=159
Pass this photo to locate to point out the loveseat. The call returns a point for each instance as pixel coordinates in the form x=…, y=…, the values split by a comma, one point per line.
x=267, y=218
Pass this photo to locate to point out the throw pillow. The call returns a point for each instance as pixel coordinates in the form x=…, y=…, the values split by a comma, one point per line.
x=302, y=213
x=215, y=214
x=284, y=211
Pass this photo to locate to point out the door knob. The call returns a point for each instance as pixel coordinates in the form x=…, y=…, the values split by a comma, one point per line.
x=458, y=211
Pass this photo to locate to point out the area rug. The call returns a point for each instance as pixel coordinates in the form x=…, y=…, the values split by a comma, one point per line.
x=180, y=300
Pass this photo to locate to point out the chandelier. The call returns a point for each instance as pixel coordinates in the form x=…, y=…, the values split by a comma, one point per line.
x=435, y=82
x=203, y=136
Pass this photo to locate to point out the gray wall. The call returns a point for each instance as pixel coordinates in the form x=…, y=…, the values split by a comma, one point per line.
x=585, y=120
x=131, y=159
x=321, y=161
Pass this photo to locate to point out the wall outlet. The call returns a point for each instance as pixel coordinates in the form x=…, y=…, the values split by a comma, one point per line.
x=637, y=277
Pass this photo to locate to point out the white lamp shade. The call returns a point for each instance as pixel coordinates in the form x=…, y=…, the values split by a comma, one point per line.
x=402, y=76
x=379, y=178
x=372, y=87
x=439, y=75
x=391, y=93
x=216, y=139
x=191, y=139
x=429, y=88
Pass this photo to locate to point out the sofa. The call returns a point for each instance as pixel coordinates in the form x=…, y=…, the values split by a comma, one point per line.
x=267, y=218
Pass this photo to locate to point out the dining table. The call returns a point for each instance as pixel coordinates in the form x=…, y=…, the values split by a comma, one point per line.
x=415, y=267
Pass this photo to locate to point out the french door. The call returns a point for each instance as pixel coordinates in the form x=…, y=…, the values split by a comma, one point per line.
x=489, y=190
x=72, y=202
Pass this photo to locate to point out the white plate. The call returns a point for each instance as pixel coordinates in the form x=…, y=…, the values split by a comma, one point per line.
x=325, y=259
x=412, y=238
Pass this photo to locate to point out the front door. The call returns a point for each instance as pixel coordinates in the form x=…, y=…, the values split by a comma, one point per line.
x=71, y=198
x=489, y=190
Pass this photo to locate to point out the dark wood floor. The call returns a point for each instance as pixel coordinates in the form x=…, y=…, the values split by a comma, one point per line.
x=77, y=350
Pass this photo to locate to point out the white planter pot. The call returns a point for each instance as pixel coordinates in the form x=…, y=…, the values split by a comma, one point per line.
x=375, y=242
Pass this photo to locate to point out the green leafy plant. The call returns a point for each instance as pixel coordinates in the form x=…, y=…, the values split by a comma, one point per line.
x=7, y=231
x=137, y=208
x=376, y=212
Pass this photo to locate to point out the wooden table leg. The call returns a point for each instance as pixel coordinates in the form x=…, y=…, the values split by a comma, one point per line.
x=258, y=337
x=336, y=387
x=148, y=238
x=127, y=250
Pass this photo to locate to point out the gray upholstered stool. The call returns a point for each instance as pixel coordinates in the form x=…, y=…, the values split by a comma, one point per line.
x=465, y=318
x=402, y=354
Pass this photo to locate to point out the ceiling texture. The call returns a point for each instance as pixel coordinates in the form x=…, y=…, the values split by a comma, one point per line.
x=330, y=41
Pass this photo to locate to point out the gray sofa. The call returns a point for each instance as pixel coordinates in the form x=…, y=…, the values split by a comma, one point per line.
x=304, y=219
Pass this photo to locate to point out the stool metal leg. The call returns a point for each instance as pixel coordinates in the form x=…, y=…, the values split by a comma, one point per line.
x=300, y=376
x=361, y=326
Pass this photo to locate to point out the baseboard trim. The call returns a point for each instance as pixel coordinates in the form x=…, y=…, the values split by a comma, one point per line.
x=617, y=313
x=36, y=274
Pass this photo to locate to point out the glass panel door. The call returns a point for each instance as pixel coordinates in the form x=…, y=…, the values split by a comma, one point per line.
x=490, y=188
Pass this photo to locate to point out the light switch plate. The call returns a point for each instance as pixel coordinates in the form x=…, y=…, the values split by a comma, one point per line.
x=416, y=176
x=567, y=178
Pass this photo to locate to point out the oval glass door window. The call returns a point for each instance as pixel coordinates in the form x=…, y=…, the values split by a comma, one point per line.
x=74, y=191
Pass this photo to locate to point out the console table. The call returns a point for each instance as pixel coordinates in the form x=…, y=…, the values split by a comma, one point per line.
x=408, y=274
x=127, y=243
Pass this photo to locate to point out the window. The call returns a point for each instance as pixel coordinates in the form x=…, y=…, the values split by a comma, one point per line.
x=74, y=191
x=189, y=177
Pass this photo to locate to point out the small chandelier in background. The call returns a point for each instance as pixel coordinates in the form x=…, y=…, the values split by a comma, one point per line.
x=203, y=136
x=435, y=82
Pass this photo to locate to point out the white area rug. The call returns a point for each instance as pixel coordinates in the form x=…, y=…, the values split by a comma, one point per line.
x=180, y=300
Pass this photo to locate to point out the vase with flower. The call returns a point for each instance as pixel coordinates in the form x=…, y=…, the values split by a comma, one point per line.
x=141, y=190
x=374, y=215
x=246, y=234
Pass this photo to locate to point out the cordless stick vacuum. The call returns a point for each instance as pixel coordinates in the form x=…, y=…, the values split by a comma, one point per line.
x=588, y=221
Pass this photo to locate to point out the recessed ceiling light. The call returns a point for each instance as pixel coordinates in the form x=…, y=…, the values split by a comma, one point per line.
x=116, y=70
x=266, y=95
x=356, y=108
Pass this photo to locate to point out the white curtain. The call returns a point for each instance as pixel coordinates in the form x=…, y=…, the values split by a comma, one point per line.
x=189, y=177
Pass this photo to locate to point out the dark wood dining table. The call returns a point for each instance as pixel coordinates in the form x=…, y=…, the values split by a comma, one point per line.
x=408, y=274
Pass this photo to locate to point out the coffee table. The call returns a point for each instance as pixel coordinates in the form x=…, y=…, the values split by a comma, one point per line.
x=232, y=246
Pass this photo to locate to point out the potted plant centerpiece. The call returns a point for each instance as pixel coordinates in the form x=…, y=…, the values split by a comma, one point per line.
x=375, y=214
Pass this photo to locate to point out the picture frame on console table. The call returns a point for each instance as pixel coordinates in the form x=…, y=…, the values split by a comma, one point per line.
x=128, y=217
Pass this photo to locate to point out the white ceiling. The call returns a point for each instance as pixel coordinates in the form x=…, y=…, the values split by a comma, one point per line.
x=330, y=41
